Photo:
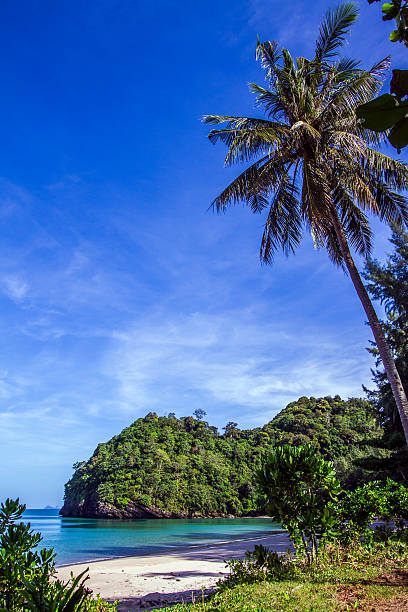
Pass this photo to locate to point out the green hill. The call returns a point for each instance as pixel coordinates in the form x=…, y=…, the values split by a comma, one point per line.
x=169, y=467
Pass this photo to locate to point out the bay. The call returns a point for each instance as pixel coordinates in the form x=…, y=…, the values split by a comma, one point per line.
x=80, y=540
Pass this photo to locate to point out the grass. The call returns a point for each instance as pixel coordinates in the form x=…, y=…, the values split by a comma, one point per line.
x=343, y=579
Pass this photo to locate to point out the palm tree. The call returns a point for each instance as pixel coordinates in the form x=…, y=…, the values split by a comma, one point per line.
x=312, y=165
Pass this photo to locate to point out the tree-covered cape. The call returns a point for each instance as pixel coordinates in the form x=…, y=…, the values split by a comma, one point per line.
x=165, y=466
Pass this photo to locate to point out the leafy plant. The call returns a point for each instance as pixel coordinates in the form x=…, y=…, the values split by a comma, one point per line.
x=388, y=283
x=27, y=575
x=259, y=565
x=389, y=113
x=396, y=10
x=300, y=488
x=359, y=508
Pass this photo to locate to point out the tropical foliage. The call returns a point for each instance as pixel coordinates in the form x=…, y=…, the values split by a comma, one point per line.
x=359, y=578
x=300, y=487
x=27, y=574
x=396, y=10
x=313, y=166
x=185, y=466
x=359, y=508
x=388, y=283
x=356, y=566
x=304, y=495
x=389, y=112
x=322, y=520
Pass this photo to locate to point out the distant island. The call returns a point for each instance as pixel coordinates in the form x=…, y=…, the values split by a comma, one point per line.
x=168, y=467
x=51, y=507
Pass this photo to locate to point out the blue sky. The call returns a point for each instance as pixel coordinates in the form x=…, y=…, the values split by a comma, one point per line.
x=119, y=292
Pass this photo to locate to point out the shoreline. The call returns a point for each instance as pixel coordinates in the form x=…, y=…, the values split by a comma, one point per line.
x=173, y=549
x=230, y=517
x=149, y=581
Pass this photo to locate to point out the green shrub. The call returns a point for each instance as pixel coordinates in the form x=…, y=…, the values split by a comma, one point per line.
x=27, y=575
x=259, y=565
x=301, y=490
x=359, y=508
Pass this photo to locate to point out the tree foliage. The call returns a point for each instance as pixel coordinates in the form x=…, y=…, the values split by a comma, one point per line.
x=389, y=113
x=388, y=283
x=310, y=159
x=184, y=466
x=375, y=500
x=27, y=574
x=313, y=166
x=397, y=11
x=299, y=486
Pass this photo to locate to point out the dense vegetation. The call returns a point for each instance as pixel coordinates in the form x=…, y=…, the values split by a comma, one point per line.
x=388, y=283
x=333, y=538
x=184, y=466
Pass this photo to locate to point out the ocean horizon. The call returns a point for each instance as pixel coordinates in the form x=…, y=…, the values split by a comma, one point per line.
x=79, y=540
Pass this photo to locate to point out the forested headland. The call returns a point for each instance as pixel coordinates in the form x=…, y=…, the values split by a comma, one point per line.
x=163, y=466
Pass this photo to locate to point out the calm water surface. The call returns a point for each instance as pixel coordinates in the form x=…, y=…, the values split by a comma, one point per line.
x=76, y=540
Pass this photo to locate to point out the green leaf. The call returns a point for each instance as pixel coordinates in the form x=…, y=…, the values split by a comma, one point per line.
x=399, y=83
x=382, y=113
x=387, y=7
x=399, y=134
x=395, y=36
x=390, y=10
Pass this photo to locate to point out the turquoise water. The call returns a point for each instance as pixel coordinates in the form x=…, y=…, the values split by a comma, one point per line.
x=80, y=540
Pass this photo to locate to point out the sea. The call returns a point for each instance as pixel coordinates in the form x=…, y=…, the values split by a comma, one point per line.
x=78, y=540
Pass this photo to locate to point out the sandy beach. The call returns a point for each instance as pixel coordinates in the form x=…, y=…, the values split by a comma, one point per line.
x=152, y=581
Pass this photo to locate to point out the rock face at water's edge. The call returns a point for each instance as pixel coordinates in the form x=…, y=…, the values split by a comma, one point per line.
x=94, y=508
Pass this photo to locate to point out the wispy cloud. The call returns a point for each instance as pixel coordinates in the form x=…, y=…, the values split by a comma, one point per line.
x=14, y=287
x=236, y=360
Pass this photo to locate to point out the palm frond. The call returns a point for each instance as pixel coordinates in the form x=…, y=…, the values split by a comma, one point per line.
x=240, y=188
x=358, y=231
x=333, y=29
x=245, y=145
x=316, y=200
x=392, y=172
x=269, y=54
x=363, y=193
x=333, y=248
x=379, y=70
x=392, y=206
x=356, y=90
x=347, y=66
x=260, y=179
x=246, y=137
x=352, y=144
x=271, y=102
x=283, y=227
x=355, y=224
x=237, y=122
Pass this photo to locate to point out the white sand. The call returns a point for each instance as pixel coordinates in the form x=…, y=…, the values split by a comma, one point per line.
x=152, y=581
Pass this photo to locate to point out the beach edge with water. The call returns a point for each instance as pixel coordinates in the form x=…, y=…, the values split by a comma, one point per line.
x=147, y=581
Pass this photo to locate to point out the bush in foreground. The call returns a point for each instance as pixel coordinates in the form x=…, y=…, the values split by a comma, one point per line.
x=338, y=553
x=27, y=575
x=363, y=577
x=300, y=488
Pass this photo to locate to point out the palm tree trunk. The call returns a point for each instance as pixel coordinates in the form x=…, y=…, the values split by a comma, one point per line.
x=378, y=332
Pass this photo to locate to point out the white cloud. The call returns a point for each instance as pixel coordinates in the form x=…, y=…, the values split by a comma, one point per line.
x=14, y=287
x=236, y=361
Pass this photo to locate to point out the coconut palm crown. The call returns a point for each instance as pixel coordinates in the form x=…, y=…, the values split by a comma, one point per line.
x=311, y=166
